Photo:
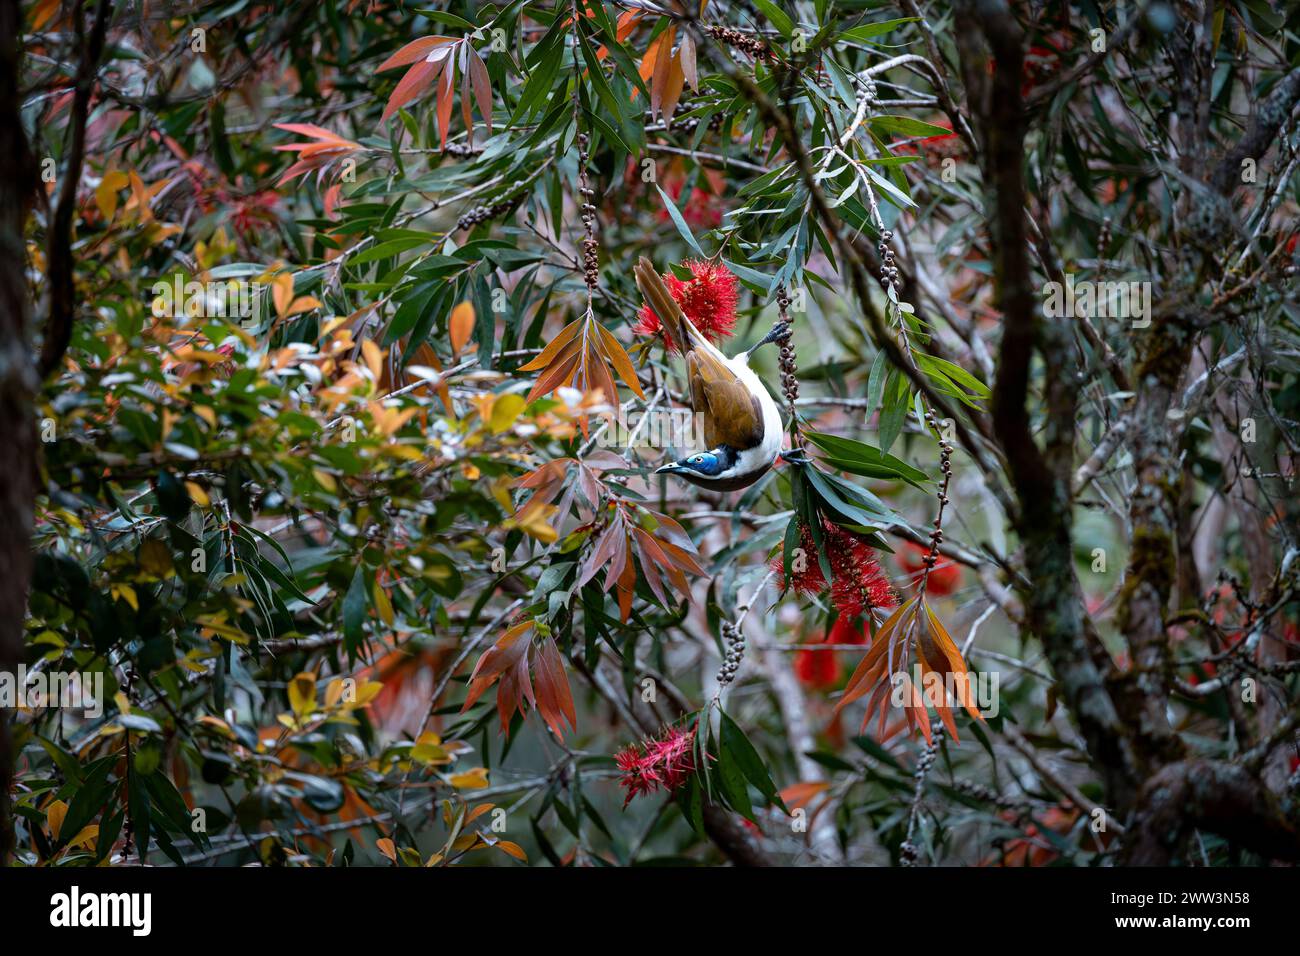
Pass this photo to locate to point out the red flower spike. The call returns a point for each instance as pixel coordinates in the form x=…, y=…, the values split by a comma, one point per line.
x=944, y=577
x=858, y=583
x=820, y=670
x=664, y=762
x=842, y=632
x=816, y=669
x=708, y=300
x=806, y=576
x=703, y=209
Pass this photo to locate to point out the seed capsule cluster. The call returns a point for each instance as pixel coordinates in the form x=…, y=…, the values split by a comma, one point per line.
x=979, y=791
x=888, y=271
x=689, y=124
x=865, y=86
x=786, y=364
x=478, y=214
x=590, y=247
x=908, y=852
x=461, y=150
x=889, y=279
x=735, y=642
x=945, y=466
x=743, y=42
x=1103, y=239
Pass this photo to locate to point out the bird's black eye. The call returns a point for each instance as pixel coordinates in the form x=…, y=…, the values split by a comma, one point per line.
x=697, y=459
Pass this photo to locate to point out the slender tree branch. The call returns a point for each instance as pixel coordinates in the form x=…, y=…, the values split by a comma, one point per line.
x=61, y=268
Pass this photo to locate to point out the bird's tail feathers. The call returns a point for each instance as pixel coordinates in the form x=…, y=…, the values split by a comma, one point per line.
x=678, y=326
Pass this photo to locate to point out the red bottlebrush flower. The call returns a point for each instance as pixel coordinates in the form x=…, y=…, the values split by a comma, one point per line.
x=939, y=137
x=821, y=669
x=708, y=300
x=816, y=669
x=933, y=149
x=703, y=209
x=944, y=577
x=1204, y=670
x=806, y=576
x=665, y=762
x=842, y=632
x=858, y=584
x=1041, y=61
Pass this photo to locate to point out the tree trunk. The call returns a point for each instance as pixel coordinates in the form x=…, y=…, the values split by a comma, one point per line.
x=18, y=386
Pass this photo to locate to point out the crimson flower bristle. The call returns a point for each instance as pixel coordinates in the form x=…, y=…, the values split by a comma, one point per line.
x=818, y=670
x=664, y=762
x=858, y=583
x=845, y=632
x=806, y=576
x=708, y=300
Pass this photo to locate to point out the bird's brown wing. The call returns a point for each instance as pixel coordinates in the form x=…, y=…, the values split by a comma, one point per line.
x=732, y=415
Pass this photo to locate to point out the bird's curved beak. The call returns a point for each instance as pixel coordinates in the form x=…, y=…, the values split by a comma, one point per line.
x=673, y=468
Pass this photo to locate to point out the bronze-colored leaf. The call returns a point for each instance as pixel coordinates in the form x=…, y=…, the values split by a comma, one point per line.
x=626, y=589
x=482, y=87
x=496, y=660
x=617, y=355
x=913, y=627
x=687, y=53
x=864, y=675
x=410, y=86
x=620, y=561
x=958, y=665
x=681, y=557
x=649, y=61
x=652, y=548
x=415, y=50
x=553, y=347
x=673, y=89
x=446, y=96
x=662, y=67
x=600, y=555
x=554, y=696
x=466, y=95
x=648, y=569
x=460, y=325
x=559, y=373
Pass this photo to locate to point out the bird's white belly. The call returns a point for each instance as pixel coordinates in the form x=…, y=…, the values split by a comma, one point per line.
x=766, y=451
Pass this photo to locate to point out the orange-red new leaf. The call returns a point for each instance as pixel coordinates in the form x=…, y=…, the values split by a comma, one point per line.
x=415, y=50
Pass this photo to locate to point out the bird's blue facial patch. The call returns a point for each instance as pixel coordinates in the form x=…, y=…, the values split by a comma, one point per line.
x=706, y=463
